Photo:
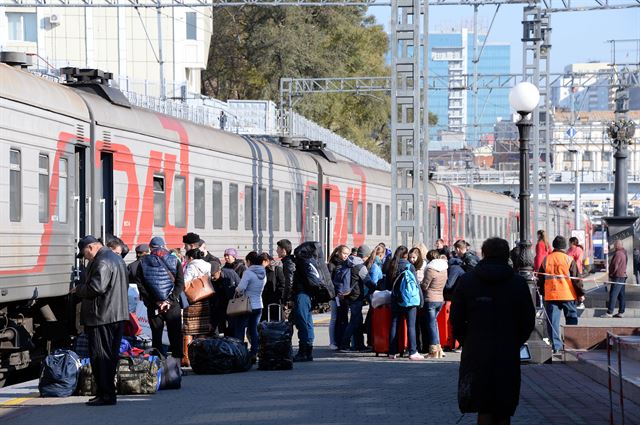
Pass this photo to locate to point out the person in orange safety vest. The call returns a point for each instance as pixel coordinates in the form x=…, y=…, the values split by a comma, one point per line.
x=559, y=291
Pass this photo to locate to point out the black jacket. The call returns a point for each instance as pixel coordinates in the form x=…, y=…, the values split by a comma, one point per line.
x=104, y=290
x=289, y=270
x=133, y=271
x=237, y=266
x=492, y=315
x=273, y=292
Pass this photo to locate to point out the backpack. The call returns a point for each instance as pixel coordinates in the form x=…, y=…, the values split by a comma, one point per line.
x=469, y=261
x=316, y=277
x=59, y=375
x=342, y=279
x=406, y=291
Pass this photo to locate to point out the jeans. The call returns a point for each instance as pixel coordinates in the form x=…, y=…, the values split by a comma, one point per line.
x=173, y=319
x=354, y=328
x=431, y=322
x=553, y=312
x=303, y=319
x=332, y=322
x=249, y=323
x=616, y=293
x=396, y=313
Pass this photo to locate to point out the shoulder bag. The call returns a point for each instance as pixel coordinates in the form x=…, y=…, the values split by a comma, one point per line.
x=199, y=288
x=239, y=305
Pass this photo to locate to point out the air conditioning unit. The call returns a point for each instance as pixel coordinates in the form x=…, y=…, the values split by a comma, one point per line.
x=55, y=19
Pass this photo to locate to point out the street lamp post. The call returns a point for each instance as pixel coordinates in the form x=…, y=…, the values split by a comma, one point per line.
x=524, y=98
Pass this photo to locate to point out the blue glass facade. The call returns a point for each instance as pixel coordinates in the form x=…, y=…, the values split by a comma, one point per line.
x=491, y=103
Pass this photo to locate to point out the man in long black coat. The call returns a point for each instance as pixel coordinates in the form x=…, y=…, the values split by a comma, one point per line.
x=492, y=315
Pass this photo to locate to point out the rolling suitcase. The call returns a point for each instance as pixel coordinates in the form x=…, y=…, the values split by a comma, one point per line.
x=445, y=329
x=275, y=352
x=380, y=327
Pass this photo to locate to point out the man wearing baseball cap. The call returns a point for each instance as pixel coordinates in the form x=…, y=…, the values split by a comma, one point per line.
x=103, y=310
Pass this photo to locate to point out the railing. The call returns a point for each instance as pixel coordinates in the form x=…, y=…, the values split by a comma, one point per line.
x=617, y=343
x=480, y=177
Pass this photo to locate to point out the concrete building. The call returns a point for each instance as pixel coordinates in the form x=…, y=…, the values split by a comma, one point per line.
x=123, y=41
x=450, y=57
x=591, y=92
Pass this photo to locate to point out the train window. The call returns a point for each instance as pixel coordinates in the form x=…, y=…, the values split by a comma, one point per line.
x=180, y=201
x=15, y=185
x=262, y=208
x=360, y=218
x=62, y=190
x=454, y=220
x=350, y=217
x=467, y=226
x=485, y=229
x=43, y=188
x=495, y=227
x=217, y=205
x=233, y=206
x=369, y=218
x=460, y=223
x=287, y=211
x=198, y=203
x=387, y=224
x=158, y=201
x=299, y=211
x=275, y=210
x=248, y=207
x=378, y=219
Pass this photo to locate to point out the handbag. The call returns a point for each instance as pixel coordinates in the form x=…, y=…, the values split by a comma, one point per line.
x=199, y=288
x=238, y=306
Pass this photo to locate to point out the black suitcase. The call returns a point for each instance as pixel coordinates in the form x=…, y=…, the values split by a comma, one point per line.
x=275, y=352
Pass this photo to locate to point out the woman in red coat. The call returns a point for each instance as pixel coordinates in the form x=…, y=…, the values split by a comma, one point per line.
x=542, y=249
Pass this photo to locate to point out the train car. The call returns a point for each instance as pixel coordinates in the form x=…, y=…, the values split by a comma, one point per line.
x=80, y=160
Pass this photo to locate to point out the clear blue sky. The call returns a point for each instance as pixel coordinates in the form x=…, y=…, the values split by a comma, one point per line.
x=576, y=36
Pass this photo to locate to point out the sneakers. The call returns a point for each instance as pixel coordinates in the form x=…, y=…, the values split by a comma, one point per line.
x=607, y=316
x=416, y=356
x=392, y=356
x=333, y=347
x=619, y=315
x=581, y=306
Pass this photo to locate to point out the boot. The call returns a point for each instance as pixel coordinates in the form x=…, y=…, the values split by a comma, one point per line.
x=441, y=351
x=434, y=352
x=309, y=353
x=186, y=340
x=304, y=354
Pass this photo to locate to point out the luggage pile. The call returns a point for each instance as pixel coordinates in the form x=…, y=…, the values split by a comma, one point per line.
x=275, y=352
x=219, y=356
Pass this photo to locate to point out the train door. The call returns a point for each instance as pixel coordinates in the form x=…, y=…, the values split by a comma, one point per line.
x=106, y=202
x=82, y=202
x=312, y=218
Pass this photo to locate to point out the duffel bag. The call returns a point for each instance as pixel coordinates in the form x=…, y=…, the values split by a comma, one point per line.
x=86, y=381
x=170, y=371
x=139, y=341
x=59, y=375
x=81, y=345
x=275, y=351
x=219, y=355
x=138, y=375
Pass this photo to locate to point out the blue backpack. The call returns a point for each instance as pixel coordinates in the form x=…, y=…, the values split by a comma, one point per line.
x=342, y=279
x=406, y=291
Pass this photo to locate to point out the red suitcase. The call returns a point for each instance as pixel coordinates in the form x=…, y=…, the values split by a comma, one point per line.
x=445, y=329
x=380, y=327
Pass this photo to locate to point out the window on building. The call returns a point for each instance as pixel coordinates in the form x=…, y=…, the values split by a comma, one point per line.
x=248, y=208
x=369, y=218
x=275, y=210
x=233, y=206
x=198, y=203
x=387, y=224
x=63, y=206
x=262, y=208
x=180, y=201
x=217, y=205
x=192, y=27
x=43, y=188
x=22, y=26
x=378, y=219
x=299, y=211
x=158, y=201
x=287, y=211
x=350, y=217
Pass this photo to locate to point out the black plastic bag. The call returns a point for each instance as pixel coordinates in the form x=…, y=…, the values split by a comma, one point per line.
x=275, y=351
x=219, y=355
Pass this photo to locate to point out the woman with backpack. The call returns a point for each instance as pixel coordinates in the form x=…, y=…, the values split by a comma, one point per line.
x=339, y=311
x=405, y=301
x=252, y=284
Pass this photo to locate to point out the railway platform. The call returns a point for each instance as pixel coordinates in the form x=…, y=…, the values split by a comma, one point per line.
x=334, y=389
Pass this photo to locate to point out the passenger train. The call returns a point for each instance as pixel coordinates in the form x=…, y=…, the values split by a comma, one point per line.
x=77, y=159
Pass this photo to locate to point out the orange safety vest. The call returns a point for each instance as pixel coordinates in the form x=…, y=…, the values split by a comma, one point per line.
x=558, y=288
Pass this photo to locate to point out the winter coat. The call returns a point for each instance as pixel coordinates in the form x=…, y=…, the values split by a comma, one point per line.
x=618, y=264
x=390, y=279
x=469, y=261
x=542, y=250
x=104, y=292
x=492, y=315
x=195, y=269
x=273, y=292
x=359, y=279
x=375, y=274
x=252, y=283
x=420, y=272
x=636, y=262
x=237, y=266
x=154, y=276
x=454, y=272
x=289, y=270
x=311, y=270
x=435, y=280
x=133, y=271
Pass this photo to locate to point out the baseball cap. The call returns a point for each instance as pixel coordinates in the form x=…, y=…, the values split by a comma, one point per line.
x=83, y=243
x=142, y=248
x=156, y=242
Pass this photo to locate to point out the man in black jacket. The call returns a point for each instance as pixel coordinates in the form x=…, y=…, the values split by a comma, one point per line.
x=103, y=310
x=284, y=250
x=492, y=315
x=224, y=281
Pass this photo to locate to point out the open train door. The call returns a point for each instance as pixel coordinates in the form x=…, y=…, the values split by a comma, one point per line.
x=107, y=198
